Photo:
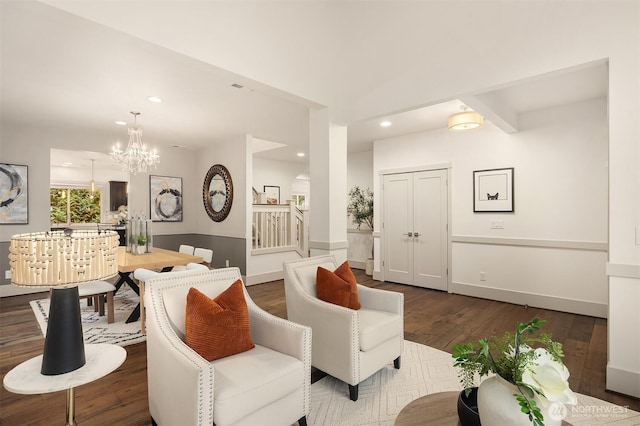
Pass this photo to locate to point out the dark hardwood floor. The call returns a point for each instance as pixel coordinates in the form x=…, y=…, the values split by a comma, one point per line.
x=432, y=318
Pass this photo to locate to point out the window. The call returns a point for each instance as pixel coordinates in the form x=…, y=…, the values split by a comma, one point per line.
x=74, y=206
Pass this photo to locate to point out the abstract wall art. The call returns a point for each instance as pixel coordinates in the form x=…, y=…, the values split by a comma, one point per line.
x=14, y=197
x=166, y=198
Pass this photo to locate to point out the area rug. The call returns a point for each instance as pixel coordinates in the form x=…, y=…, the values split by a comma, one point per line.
x=424, y=371
x=95, y=328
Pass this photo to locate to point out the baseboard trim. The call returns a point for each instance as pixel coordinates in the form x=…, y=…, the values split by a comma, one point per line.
x=263, y=278
x=356, y=264
x=599, y=310
x=623, y=381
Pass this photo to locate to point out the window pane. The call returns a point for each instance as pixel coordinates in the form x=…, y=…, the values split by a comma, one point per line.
x=58, y=200
x=83, y=207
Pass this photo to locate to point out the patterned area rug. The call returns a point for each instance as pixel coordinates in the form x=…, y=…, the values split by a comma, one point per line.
x=95, y=327
x=424, y=371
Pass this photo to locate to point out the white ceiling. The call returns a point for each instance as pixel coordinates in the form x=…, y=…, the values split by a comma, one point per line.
x=63, y=71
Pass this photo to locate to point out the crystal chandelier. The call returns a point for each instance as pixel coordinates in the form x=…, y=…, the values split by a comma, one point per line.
x=135, y=159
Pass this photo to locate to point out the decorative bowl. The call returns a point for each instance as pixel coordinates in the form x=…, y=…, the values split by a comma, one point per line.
x=468, y=408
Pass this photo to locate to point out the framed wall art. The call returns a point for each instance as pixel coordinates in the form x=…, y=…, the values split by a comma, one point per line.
x=14, y=196
x=273, y=194
x=165, y=196
x=493, y=190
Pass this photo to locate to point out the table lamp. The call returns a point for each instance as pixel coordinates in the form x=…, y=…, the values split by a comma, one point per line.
x=62, y=260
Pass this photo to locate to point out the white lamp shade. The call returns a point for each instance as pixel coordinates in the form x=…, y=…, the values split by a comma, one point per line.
x=463, y=121
x=54, y=259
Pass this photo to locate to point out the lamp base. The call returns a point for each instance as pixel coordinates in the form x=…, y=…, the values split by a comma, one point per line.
x=64, y=343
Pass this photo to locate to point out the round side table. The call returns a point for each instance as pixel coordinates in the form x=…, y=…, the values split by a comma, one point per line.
x=101, y=359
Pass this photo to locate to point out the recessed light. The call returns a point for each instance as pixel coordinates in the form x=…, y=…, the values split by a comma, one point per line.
x=121, y=123
x=300, y=154
x=385, y=124
x=154, y=99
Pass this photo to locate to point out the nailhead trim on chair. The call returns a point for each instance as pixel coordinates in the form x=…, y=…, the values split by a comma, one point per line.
x=204, y=276
x=167, y=330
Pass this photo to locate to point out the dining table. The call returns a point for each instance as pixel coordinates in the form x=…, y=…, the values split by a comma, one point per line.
x=159, y=258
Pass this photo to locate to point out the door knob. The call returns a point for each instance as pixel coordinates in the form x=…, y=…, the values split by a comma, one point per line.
x=409, y=234
x=416, y=234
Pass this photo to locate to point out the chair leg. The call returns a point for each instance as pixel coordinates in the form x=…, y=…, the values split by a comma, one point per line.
x=153, y=422
x=396, y=363
x=353, y=392
x=100, y=302
x=302, y=421
x=110, y=310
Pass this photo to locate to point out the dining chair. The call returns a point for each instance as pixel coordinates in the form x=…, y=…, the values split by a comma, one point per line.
x=186, y=249
x=205, y=254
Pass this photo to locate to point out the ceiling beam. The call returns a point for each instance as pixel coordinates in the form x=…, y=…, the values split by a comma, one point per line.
x=503, y=117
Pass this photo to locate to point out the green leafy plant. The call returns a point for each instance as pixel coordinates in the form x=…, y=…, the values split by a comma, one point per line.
x=142, y=240
x=532, y=363
x=360, y=207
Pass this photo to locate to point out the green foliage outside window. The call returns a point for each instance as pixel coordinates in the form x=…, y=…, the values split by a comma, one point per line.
x=74, y=205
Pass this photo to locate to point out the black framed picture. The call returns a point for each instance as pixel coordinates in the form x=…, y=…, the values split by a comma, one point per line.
x=165, y=198
x=273, y=194
x=493, y=190
x=14, y=194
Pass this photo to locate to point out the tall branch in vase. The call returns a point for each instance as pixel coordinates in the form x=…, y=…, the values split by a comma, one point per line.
x=360, y=208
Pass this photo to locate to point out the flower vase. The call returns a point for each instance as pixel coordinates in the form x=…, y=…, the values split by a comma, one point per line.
x=498, y=406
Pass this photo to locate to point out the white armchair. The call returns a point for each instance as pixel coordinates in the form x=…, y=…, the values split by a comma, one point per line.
x=349, y=345
x=269, y=384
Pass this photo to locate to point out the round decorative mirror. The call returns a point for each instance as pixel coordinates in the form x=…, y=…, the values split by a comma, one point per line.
x=217, y=192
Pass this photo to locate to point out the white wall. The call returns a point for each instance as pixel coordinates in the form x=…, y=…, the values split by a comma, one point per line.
x=560, y=193
x=360, y=173
x=232, y=155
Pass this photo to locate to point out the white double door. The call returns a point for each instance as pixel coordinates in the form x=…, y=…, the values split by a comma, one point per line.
x=415, y=229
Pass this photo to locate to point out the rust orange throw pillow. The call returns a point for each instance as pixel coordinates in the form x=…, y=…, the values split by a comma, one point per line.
x=338, y=287
x=216, y=328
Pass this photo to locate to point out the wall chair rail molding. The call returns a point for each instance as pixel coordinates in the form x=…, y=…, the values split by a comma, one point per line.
x=528, y=242
x=623, y=271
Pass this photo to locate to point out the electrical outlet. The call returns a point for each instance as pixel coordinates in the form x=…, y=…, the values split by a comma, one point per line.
x=226, y=263
x=497, y=224
x=7, y=275
x=483, y=276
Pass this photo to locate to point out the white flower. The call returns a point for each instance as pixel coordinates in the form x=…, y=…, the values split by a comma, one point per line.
x=549, y=377
x=524, y=348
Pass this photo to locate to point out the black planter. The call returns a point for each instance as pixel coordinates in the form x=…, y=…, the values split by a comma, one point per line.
x=468, y=408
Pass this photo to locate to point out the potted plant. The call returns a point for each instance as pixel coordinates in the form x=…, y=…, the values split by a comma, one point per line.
x=360, y=208
x=530, y=382
x=142, y=244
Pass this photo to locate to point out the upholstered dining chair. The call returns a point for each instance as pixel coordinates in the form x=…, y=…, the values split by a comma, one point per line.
x=350, y=345
x=268, y=384
x=186, y=249
x=205, y=254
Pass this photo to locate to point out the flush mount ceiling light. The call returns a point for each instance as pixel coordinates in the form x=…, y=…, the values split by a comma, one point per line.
x=300, y=154
x=135, y=159
x=385, y=124
x=154, y=99
x=465, y=120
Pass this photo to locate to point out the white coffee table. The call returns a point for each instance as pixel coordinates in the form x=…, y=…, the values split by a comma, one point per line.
x=101, y=359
